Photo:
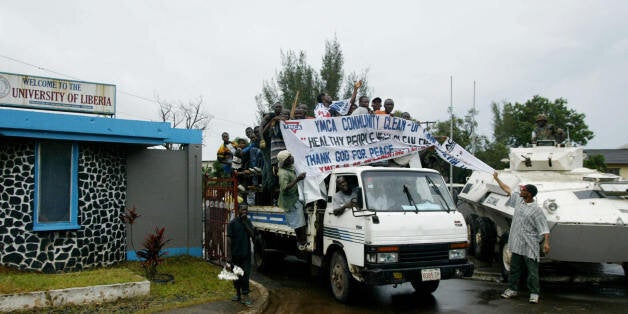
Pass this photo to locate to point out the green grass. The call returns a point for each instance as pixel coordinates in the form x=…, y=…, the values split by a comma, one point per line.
x=12, y=281
x=195, y=282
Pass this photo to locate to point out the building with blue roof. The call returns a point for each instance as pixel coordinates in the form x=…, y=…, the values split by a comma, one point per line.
x=66, y=179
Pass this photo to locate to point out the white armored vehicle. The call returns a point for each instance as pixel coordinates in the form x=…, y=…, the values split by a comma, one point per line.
x=587, y=211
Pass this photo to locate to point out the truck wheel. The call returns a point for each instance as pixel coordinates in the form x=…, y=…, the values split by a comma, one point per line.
x=339, y=277
x=425, y=287
x=260, y=257
x=504, y=258
x=485, y=238
x=471, y=230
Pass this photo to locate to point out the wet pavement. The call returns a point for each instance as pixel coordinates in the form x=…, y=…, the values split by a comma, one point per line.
x=592, y=288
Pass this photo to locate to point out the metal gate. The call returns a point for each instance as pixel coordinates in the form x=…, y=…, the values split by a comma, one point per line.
x=220, y=199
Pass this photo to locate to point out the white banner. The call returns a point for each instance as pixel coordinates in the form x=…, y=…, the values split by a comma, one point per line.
x=321, y=145
x=454, y=154
x=27, y=91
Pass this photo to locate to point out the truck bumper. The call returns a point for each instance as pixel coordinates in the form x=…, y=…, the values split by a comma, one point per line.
x=379, y=276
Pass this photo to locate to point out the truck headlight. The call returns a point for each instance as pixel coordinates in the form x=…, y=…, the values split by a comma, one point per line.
x=382, y=258
x=458, y=254
x=550, y=205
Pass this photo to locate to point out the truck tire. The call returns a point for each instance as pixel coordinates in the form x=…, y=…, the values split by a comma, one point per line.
x=339, y=277
x=485, y=238
x=471, y=230
x=260, y=256
x=425, y=287
x=504, y=257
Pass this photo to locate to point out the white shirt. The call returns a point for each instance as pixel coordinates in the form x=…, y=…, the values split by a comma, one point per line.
x=360, y=110
x=320, y=111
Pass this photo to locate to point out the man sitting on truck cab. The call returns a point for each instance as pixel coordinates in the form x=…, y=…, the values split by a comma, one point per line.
x=345, y=196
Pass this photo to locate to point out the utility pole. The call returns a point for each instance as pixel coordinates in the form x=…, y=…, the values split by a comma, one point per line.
x=451, y=131
x=472, y=123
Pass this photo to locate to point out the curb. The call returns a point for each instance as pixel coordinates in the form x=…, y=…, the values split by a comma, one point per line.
x=73, y=296
x=260, y=304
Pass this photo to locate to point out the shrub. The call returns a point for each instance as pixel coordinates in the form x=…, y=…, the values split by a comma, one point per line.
x=152, y=253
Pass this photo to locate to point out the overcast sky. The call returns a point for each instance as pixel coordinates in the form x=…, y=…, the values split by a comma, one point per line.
x=223, y=51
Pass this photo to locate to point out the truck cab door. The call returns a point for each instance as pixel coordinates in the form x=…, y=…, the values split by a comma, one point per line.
x=336, y=223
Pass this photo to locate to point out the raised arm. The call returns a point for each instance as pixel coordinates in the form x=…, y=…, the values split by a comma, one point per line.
x=502, y=185
x=356, y=86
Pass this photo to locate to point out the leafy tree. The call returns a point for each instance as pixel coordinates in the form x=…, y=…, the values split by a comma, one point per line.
x=268, y=97
x=493, y=153
x=513, y=123
x=331, y=70
x=297, y=75
x=596, y=162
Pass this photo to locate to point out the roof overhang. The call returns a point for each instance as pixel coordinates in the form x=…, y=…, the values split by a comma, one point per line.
x=44, y=125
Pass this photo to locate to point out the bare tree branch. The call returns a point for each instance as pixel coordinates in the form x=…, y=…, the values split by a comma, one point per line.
x=190, y=116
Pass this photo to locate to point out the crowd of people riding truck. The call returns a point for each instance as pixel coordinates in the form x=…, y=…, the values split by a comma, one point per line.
x=266, y=176
x=255, y=162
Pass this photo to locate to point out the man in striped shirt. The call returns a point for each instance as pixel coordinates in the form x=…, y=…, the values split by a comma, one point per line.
x=528, y=226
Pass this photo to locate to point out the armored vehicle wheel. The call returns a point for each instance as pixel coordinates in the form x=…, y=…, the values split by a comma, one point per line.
x=485, y=238
x=425, y=287
x=339, y=277
x=505, y=255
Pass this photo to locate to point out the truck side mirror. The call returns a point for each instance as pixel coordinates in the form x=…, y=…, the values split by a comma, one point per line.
x=359, y=198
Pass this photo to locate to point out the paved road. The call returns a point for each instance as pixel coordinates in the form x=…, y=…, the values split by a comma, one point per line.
x=292, y=290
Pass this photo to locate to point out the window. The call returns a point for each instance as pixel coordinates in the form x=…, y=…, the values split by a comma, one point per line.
x=612, y=170
x=56, y=186
x=587, y=194
x=406, y=191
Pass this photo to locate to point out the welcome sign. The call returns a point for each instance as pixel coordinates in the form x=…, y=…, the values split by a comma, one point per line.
x=27, y=91
x=321, y=145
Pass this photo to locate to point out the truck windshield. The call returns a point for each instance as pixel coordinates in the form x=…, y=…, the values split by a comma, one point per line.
x=406, y=191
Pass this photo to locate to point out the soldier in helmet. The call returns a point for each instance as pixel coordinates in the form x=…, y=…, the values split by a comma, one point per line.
x=543, y=130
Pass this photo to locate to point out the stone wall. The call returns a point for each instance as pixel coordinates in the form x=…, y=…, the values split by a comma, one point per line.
x=101, y=238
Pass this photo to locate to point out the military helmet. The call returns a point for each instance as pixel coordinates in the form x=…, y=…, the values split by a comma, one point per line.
x=541, y=117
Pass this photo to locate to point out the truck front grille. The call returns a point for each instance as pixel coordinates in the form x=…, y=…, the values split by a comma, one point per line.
x=424, y=254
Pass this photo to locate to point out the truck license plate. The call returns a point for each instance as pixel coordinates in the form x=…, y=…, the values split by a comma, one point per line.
x=430, y=274
x=397, y=276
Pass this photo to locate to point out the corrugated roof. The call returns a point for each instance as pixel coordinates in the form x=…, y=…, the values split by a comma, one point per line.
x=611, y=156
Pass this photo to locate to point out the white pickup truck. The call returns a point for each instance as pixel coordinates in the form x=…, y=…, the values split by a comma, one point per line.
x=404, y=228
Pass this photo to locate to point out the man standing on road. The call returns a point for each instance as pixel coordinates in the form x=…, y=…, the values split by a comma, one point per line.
x=528, y=224
x=239, y=232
